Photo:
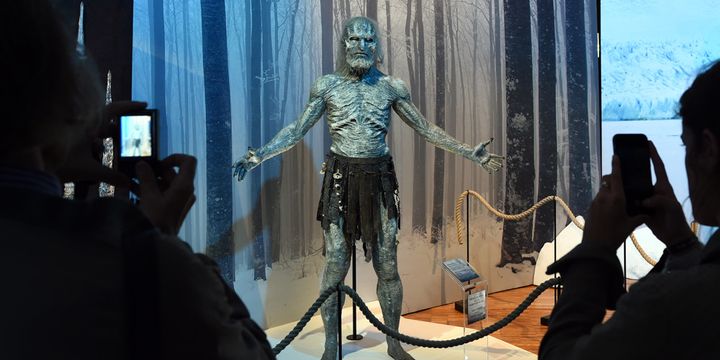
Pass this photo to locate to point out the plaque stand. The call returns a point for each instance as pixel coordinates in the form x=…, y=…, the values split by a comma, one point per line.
x=474, y=304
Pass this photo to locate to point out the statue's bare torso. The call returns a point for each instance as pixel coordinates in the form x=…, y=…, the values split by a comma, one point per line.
x=358, y=113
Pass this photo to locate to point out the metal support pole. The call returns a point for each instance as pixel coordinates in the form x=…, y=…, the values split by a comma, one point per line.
x=460, y=304
x=625, y=283
x=545, y=320
x=467, y=225
x=354, y=336
x=339, y=321
x=555, y=288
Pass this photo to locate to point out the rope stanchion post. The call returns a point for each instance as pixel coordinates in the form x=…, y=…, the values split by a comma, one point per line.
x=460, y=304
x=354, y=336
x=339, y=318
x=556, y=289
x=625, y=283
x=545, y=319
x=467, y=225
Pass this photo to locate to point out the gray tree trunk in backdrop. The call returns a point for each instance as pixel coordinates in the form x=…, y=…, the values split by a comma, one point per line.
x=328, y=47
x=219, y=147
x=578, y=122
x=419, y=215
x=254, y=75
x=388, y=38
x=520, y=178
x=451, y=118
x=371, y=9
x=389, y=58
x=547, y=172
x=288, y=56
x=157, y=43
x=439, y=167
x=292, y=233
x=271, y=122
x=186, y=105
x=328, y=51
x=497, y=90
x=409, y=48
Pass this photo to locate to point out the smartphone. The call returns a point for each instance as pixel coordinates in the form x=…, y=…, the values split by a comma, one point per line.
x=137, y=140
x=634, y=153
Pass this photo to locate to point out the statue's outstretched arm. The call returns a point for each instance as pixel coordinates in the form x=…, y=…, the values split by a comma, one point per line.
x=285, y=138
x=435, y=135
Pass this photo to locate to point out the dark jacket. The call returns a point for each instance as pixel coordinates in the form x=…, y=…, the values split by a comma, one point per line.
x=66, y=276
x=672, y=313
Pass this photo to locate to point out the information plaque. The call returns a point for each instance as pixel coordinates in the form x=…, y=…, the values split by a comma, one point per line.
x=476, y=304
x=460, y=271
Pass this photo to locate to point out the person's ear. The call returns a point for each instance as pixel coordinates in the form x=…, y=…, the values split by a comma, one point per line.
x=710, y=153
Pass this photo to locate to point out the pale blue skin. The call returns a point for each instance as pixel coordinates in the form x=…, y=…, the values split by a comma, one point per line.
x=357, y=100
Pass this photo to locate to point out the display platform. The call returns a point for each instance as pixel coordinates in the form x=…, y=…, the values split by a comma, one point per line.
x=309, y=343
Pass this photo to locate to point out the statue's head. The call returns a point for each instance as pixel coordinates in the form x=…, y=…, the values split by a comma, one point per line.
x=359, y=47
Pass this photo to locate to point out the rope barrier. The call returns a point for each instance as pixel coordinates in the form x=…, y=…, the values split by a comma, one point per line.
x=303, y=321
x=456, y=341
x=460, y=230
x=528, y=212
x=406, y=338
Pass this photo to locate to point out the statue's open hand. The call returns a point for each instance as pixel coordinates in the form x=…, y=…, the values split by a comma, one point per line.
x=247, y=163
x=489, y=161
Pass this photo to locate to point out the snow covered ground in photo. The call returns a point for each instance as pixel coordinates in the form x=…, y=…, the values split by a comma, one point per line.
x=665, y=134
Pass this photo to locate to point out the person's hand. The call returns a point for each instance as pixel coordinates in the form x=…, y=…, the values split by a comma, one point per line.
x=167, y=202
x=83, y=161
x=247, y=163
x=665, y=214
x=489, y=161
x=608, y=224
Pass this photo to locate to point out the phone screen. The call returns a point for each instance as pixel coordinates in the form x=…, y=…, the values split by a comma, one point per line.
x=634, y=154
x=136, y=135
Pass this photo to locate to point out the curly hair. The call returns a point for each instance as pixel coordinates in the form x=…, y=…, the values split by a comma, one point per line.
x=700, y=103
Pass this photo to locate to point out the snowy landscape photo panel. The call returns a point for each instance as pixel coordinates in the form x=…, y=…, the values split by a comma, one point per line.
x=651, y=50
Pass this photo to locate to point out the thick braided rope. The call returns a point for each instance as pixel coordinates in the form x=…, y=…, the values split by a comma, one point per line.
x=410, y=339
x=304, y=320
x=515, y=217
x=451, y=342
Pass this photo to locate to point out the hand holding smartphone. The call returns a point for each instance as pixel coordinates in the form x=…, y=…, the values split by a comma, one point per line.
x=634, y=154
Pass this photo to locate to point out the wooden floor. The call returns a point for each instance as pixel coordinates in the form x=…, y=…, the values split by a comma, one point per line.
x=525, y=332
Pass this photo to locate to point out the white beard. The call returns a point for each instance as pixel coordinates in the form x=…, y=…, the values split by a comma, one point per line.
x=360, y=64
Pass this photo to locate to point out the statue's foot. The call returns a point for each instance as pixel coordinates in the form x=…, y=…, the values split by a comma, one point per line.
x=396, y=351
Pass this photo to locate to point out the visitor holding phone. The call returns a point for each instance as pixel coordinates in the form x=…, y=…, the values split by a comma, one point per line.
x=673, y=312
x=97, y=278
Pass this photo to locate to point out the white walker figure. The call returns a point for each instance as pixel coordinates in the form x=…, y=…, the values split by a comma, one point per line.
x=135, y=140
x=359, y=198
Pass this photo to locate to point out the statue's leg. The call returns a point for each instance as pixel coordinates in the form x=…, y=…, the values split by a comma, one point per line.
x=337, y=263
x=389, y=286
